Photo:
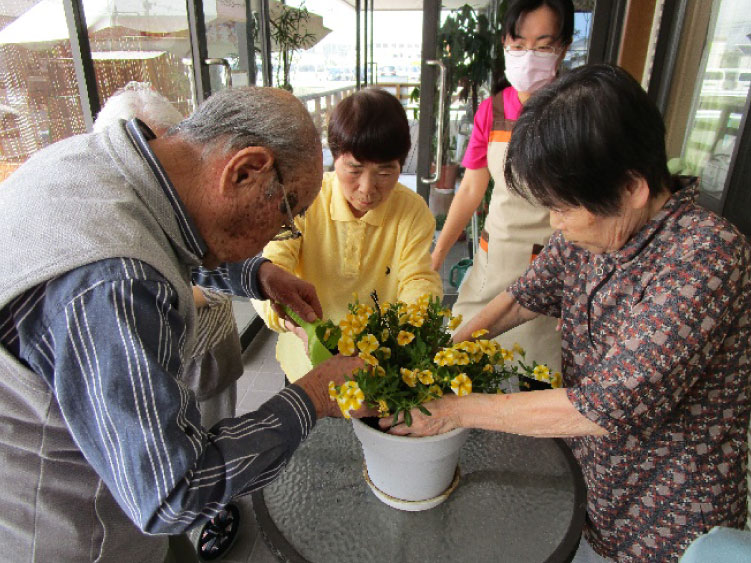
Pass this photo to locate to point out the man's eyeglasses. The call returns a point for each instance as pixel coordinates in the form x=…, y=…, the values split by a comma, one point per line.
x=288, y=230
x=541, y=51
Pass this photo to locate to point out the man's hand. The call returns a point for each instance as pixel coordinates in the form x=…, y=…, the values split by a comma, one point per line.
x=316, y=384
x=281, y=287
x=443, y=418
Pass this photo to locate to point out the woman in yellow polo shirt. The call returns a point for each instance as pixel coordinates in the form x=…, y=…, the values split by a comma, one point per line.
x=365, y=231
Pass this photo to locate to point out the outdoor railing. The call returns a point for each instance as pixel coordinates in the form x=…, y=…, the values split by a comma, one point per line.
x=320, y=104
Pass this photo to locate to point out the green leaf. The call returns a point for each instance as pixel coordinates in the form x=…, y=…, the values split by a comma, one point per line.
x=407, y=418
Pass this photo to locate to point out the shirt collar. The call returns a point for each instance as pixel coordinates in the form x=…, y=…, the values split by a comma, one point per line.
x=685, y=190
x=140, y=134
x=341, y=211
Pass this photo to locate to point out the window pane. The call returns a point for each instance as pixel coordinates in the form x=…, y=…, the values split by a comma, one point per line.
x=577, y=52
x=323, y=73
x=39, y=101
x=225, y=31
x=133, y=40
x=327, y=61
x=720, y=96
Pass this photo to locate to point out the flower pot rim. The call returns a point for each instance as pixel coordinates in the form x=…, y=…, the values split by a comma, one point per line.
x=424, y=439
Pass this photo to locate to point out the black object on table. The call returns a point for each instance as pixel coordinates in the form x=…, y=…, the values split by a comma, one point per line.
x=519, y=500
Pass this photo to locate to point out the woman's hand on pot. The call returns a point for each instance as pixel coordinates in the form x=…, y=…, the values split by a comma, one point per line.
x=443, y=418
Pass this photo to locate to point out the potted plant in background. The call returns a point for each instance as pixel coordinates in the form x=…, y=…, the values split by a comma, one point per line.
x=411, y=361
x=289, y=30
x=468, y=46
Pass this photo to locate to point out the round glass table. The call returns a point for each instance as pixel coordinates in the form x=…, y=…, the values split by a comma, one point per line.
x=519, y=499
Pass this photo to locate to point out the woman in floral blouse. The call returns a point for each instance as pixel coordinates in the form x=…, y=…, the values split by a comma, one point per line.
x=654, y=293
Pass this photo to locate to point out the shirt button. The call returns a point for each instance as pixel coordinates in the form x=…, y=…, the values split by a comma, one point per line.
x=599, y=271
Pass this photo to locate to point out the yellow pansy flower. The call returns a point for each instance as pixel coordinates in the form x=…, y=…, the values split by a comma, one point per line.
x=488, y=368
x=333, y=393
x=557, y=380
x=488, y=347
x=368, y=344
x=479, y=333
x=351, y=324
x=385, y=335
x=346, y=345
x=327, y=334
x=385, y=352
x=369, y=358
x=518, y=349
x=462, y=359
x=383, y=408
x=541, y=373
x=416, y=319
x=455, y=322
x=441, y=358
x=435, y=390
x=404, y=337
x=461, y=385
x=507, y=355
x=408, y=376
x=350, y=397
x=426, y=377
x=380, y=372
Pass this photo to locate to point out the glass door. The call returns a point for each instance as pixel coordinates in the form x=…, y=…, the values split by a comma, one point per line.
x=720, y=101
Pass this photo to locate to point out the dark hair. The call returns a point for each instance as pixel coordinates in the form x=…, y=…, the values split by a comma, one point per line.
x=371, y=125
x=564, y=11
x=580, y=139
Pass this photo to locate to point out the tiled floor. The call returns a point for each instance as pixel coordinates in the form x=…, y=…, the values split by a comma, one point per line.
x=262, y=379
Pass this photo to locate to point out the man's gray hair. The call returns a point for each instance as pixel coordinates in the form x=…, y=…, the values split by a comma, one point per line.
x=237, y=118
x=138, y=99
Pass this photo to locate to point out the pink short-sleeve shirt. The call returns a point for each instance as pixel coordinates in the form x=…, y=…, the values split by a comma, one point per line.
x=476, y=155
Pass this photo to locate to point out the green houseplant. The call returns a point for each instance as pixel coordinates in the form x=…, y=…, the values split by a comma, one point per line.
x=289, y=32
x=469, y=48
x=412, y=360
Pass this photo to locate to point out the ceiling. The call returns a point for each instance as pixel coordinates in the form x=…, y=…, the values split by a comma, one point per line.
x=417, y=4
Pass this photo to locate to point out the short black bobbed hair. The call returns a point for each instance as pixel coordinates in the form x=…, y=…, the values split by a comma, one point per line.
x=582, y=138
x=371, y=124
x=564, y=10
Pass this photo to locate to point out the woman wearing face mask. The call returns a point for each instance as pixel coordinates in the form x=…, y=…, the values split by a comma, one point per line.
x=537, y=35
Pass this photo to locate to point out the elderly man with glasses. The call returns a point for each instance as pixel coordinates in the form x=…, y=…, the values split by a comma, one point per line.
x=103, y=236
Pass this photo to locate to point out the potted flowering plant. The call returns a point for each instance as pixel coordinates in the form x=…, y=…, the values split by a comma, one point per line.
x=411, y=361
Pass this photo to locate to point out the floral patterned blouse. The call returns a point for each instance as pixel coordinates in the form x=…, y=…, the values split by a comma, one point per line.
x=657, y=351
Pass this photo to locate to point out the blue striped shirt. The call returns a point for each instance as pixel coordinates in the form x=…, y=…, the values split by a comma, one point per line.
x=108, y=340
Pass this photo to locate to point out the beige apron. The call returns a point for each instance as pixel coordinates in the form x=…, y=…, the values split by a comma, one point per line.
x=514, y=227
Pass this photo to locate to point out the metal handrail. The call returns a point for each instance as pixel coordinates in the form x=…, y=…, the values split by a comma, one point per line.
x=439, y=142
x=187, y=61
x=227, y=69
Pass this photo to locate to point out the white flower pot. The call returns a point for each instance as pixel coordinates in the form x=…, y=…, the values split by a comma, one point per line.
x=410, y=473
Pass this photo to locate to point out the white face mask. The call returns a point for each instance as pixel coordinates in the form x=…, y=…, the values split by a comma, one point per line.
x=529, y=72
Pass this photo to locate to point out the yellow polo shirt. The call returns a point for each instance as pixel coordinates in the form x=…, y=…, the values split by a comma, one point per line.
x=387, y=250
